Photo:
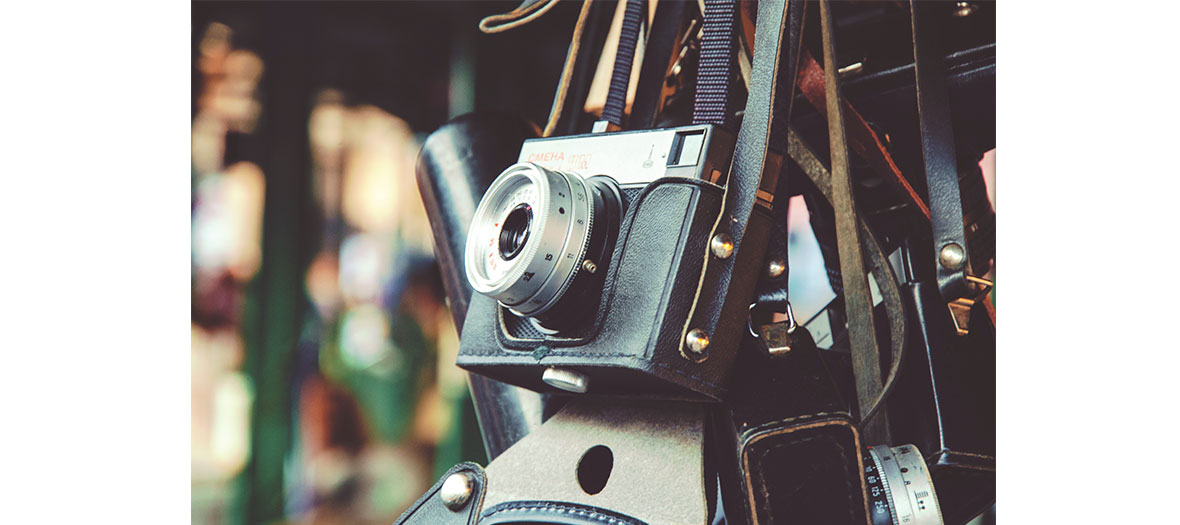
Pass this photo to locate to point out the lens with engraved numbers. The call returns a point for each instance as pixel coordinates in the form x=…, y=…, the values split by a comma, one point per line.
x=899, y=485
x=539, y=236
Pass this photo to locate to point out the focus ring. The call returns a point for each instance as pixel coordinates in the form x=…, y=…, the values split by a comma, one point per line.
x=584, y=197
x=534, y=276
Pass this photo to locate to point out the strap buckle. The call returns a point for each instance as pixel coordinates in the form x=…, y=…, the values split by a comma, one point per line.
x=779, y=336
x=961, y=307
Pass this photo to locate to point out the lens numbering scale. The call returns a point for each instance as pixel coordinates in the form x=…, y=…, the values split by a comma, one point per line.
x=900, y=489
x=534, y=237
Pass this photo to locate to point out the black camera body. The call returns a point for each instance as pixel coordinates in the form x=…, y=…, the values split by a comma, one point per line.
x=655, y=310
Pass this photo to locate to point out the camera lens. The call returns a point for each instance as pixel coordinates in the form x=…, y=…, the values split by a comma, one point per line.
x=515, y=231
x=536, y=235
x=899, y=485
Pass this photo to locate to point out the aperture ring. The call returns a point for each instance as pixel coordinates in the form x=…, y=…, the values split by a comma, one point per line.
x=533, y=278
x=577, y=242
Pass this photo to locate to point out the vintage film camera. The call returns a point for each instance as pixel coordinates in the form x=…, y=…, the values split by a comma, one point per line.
x=604, y=265
x=605, y=268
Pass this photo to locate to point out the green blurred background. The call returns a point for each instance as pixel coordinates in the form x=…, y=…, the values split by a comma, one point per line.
x=323, y=385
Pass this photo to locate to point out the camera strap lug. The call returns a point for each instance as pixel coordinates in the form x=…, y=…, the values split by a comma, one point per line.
x=780, y=337
x=456, y=499
x=978, y=289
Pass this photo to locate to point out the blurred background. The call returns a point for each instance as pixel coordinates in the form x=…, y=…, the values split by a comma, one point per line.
x=323, y=384
x=323, y=381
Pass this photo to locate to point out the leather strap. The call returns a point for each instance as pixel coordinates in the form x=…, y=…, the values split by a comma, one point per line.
x=938, y=153
x=863, y=140
x=879, y=266
x=773, y=291
x=526, y=12
x=750, y=180
x=866, y=358
x=567, y=71
x=430, y=509
x=657, y=58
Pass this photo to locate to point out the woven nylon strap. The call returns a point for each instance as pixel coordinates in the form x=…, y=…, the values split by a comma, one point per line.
x=616, y=97
x=715, y=70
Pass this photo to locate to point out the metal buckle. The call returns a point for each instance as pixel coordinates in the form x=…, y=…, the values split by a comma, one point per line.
x=778, y=337
x=961, y=307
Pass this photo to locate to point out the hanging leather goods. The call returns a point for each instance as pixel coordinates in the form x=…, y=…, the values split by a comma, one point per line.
x=858, y=300
x=956, y=283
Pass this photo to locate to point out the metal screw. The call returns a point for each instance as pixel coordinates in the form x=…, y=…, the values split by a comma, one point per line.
x=722, y=245
x=951, y=256
x=697, y=341
x=965, y=9
x=851, y=69
x=776, y=267
x=456, y=490
x=565, y=379
x=589, y=266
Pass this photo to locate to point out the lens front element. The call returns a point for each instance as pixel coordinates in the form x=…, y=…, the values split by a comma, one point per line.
x=529, y=237
x=515, y=231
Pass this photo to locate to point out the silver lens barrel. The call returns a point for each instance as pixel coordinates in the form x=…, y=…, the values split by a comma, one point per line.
x=900, y=489
x=528, y=237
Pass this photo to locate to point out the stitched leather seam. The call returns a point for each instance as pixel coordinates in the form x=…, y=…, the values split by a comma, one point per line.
x=758, y=436
x=800, y=419
x=559, y=508
x=626, y=226
x=844, y=462
x=653, y=363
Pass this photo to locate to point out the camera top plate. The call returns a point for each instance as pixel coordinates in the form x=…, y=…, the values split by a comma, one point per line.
x=637, y=157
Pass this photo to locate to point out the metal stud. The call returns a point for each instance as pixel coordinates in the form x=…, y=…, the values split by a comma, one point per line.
x=776, y=267
x=722, y=245
x=566, y=379
x=697, y=341
x=589, y=266
x=965, y=9
x=456, y=490
x=951, y=256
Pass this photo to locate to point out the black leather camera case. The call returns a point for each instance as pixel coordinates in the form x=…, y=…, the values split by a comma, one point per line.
x=633, y=345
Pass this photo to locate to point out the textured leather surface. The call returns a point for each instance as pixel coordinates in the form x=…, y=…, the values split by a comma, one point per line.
x=455, y=167
x=806, y=472
x=655, y=290
x=938, y=145
x=945, y=402
x=722, y=306
x=773, y=293
x=963, y=491
x=631, y=351
x=790, y=451
x=553, y=512
x=429, y=509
